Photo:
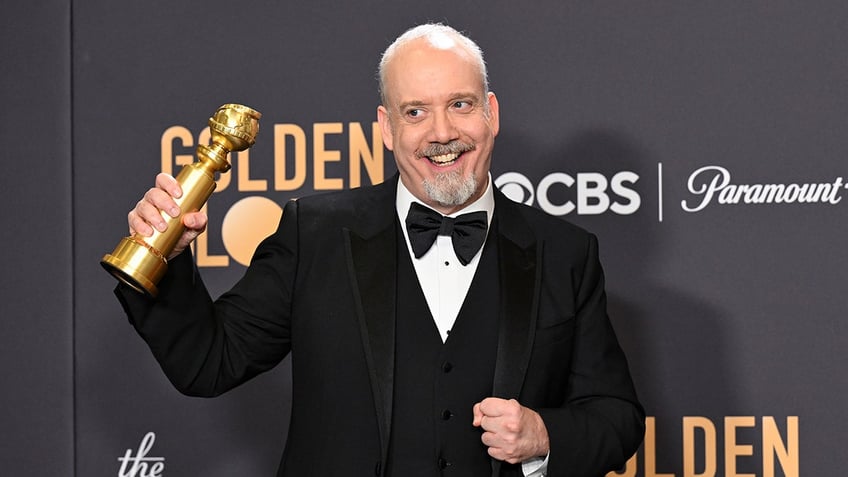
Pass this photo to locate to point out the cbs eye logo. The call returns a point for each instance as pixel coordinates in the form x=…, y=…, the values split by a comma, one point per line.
x=592, y=192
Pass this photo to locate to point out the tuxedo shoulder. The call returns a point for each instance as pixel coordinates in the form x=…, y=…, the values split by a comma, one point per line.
x=350, y=207
x=336, y=200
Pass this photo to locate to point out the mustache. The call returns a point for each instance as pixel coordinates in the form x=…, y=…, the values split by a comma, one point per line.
x=457, y=147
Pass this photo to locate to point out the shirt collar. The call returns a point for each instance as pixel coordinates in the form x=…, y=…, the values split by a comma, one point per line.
x=486, y=202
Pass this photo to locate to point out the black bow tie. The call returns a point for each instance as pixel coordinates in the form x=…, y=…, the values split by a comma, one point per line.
x=467, y=231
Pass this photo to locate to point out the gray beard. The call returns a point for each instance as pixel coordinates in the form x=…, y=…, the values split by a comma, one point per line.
x=450, y=189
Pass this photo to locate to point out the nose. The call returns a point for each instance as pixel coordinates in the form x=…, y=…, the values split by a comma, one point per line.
x=443, y=128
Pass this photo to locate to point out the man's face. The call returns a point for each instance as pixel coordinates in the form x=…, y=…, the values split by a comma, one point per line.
x=440, y=124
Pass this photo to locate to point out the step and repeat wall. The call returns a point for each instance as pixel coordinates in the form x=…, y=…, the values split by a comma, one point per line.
x=705, y=144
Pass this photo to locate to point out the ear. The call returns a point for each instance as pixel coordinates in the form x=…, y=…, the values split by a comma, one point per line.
x=385, y=126
x=494, y=113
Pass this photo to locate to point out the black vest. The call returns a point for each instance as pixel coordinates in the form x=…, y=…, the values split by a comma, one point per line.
x=435, y=384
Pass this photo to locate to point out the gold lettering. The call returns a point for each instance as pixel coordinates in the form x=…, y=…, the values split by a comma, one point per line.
x=773, y=446
x=167, y=148
x=322, y=156
x=201, y=250
x=732, y=450
x=650, y=447
x=363, y=155
x=281, y=132
x=710, y=451
x=245, y=183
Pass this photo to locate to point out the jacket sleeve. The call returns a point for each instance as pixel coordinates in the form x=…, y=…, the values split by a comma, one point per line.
x=601, y=422
x=206, y=348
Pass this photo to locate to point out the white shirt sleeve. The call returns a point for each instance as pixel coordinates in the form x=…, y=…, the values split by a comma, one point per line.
x=535, y=467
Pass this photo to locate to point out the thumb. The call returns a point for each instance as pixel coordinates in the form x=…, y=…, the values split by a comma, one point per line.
x=478, y=416
x=195, y=222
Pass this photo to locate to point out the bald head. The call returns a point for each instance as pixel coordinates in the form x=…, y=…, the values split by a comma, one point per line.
x=439, y=37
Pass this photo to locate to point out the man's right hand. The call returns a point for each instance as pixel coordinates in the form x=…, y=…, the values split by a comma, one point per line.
x=147, y=214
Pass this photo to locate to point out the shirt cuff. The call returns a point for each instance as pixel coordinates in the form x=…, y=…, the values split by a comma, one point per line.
x=535, y=467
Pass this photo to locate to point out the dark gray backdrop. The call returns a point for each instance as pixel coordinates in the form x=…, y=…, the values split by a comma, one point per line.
x=735, y=310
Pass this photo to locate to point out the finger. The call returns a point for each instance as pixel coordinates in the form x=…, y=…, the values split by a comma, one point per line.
x=162, y=200
x=491, y=439
x=170, y=185
x=507, y=450
x=496, y=453
x=502, y=454
x=499, y=454
x=137, y=225
x=195, y=224
x=498, y=426
x=493, y=407
x=146, y=212
x=144, y=218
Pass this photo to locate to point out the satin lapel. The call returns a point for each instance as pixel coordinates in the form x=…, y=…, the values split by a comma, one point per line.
x=520, y=279
x=372, y=267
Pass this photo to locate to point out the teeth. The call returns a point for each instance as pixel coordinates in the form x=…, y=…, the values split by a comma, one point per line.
x=444, y=158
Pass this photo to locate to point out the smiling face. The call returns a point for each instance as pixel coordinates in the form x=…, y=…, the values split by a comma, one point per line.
x=440, y=122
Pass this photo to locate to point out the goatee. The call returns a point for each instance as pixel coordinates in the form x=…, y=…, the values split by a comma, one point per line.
x=450, y=189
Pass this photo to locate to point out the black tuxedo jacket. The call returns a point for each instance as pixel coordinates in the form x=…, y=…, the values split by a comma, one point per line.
x=322, y=288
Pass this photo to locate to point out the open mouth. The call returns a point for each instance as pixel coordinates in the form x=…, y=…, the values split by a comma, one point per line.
x=444, y=159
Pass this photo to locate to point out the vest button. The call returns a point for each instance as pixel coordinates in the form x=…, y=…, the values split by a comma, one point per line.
x=447, y=366
x=446, y=414
x=443, y=463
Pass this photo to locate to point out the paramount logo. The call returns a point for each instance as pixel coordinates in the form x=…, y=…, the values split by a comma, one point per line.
x=712, y=183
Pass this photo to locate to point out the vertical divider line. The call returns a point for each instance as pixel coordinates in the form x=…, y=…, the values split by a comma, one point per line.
x=74, y=287
x=659, y=191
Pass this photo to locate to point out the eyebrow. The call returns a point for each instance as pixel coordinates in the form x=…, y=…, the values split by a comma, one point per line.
x=452, y=96
x=408, y=104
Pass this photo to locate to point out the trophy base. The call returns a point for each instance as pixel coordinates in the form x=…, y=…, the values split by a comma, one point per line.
x=136, y=264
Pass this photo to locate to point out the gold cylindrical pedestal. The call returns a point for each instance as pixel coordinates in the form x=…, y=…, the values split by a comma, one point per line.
x=137, y=264
x=140, y=261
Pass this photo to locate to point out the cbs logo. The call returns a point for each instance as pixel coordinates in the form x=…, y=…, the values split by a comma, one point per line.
x=593, y=193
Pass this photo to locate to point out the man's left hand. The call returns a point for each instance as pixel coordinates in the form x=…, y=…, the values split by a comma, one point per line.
x=512, y=432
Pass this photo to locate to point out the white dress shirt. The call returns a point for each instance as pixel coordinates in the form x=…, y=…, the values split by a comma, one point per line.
x=445, y=281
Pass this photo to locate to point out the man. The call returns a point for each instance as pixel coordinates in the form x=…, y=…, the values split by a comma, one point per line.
x=411, y=356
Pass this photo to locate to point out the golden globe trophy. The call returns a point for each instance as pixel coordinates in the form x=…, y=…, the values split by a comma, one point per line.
x=140, y=261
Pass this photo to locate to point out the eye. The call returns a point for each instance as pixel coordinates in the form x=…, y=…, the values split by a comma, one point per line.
x=414, y=114
x=462, y=105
